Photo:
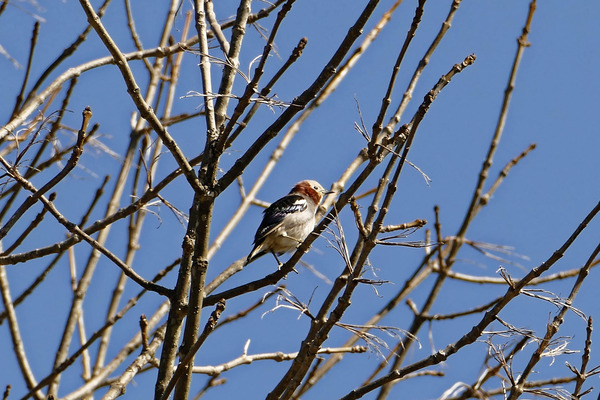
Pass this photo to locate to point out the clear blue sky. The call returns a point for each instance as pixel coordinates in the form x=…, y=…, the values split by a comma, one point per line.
x=555, y=105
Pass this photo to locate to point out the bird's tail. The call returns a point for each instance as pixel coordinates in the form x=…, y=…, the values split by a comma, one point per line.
x=254, y=254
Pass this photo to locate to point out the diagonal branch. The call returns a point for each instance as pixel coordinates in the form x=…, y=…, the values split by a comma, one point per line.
x=477, y=330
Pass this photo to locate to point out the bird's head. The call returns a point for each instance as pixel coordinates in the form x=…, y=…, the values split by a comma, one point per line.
x=311, y=189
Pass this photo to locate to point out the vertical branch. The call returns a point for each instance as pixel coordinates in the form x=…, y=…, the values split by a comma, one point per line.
x=15, y=334
x=192, y=273
x=134, y=34
x=114, y=201
x=403, y=346
x=231, y=66
x=34, y=36
x=132, y=244
x=173, y=329
x=585, y=359
x=216, y=27
x=178, y=304
x=209, y=110
x=186, y=362
x=85, y=356
x=200, y=219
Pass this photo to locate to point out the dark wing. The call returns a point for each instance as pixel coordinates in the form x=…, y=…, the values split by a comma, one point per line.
x=275, y=214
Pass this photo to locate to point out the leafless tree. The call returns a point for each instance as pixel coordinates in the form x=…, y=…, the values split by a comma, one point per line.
x=47, y=211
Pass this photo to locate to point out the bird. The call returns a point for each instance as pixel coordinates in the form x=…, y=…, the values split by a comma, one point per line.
x=287, y=221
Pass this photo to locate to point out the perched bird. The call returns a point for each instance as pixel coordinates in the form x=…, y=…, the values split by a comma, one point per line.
x=288, y=221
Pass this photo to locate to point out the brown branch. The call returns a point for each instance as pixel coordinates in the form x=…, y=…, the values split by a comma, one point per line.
x=66, y=53
x=486, y=197
x=34, y=37
x=386, y=101
x=216, y=27
x=117, y=388
x=401, y=349
x=248, y=310
x=582, y=374
x=418, y=223
x=552, y=328
x=501, y=281
x=189, y=357
x=278, y=357
x=475, y=310
x=15, y=334
x=483, y=174
x=32, y=225
x=12, y=171
x=134, y=35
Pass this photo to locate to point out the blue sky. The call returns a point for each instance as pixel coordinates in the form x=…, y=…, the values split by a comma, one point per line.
x=554, y=104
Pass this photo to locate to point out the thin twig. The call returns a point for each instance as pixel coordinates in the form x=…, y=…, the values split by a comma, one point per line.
x=552, y=328
x=34, y=37
x=134, y=35
x=585, y=359
x=386, y=101
x=81, y=38
x=279, y=357
x=75, y=154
